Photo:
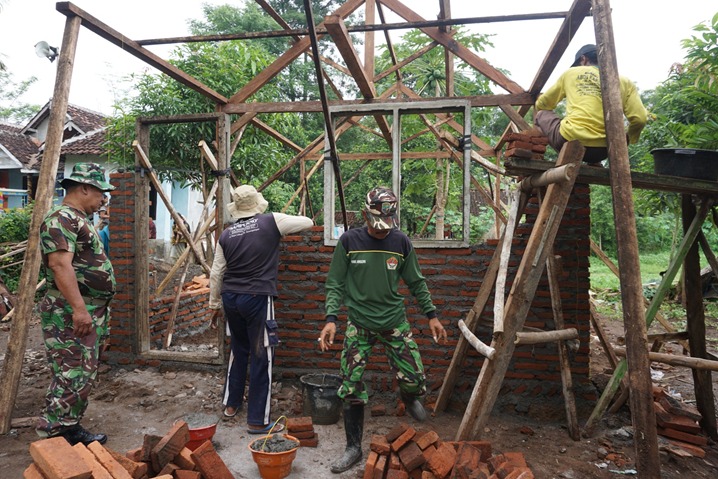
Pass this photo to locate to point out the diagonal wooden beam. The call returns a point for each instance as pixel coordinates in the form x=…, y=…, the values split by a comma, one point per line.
x=338, y=31
x=406, y=61
x=275, y=134
x=134, y=48
x=302, y=46
x=456, y=48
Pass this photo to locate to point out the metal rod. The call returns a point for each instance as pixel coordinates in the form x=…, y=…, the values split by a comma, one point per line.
x=333, y=156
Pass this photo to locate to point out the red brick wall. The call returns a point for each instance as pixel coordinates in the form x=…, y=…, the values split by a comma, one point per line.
x=454, y=277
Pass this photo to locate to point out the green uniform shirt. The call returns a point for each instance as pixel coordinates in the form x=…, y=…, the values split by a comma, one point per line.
x=67, y=229
x=364, y=275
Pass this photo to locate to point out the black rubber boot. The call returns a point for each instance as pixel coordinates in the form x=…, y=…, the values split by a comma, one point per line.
x=354, y=428
x=77, y=433
x=414, y=406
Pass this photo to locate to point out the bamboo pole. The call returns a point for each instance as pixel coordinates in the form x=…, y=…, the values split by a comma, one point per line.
x=12, y=368
x=175, y=307
x=482, y=348
x=508, y=237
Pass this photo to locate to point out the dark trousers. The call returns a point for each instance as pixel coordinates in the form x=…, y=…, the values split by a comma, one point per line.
x=247, y=318
x=550, y=125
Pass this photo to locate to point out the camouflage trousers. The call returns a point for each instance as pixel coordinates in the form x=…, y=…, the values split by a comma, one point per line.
x=73, y=361
x=401, y=351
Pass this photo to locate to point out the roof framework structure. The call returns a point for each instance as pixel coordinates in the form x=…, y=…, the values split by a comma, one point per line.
x=515, y=102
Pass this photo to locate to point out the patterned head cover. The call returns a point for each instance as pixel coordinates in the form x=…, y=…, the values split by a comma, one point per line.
x=380, y=208
x=89, y=174
x=246, y=202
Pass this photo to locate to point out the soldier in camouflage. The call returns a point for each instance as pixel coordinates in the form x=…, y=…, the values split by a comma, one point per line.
x=75, y=309
x=365, y=272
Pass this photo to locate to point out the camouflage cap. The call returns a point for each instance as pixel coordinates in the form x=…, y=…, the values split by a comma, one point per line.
x=89, y=174
x=380, y=208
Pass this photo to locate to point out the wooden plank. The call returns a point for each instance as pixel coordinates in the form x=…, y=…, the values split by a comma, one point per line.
x=696, y=325
x=302, y=46
x=600, y=176
x=507, y=239
x=476, y=101
x=135, y=49
x=523, y=289
x=456, y=48
x=641, y=398
x=17, y=341
x=552, y=270
x=337, y=29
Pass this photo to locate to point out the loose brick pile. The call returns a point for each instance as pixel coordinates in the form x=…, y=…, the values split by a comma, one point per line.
x=527, y=144
x=303, y=429
x=678, y=422
x=405, y=453
x=159, y=457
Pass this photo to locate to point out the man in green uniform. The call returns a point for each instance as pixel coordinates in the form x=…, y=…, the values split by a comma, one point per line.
x=580, y=85
x=75, y=310
x=366, y=268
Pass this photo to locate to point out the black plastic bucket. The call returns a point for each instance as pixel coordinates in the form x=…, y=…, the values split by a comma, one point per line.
x=686, y=163
x=320, y=397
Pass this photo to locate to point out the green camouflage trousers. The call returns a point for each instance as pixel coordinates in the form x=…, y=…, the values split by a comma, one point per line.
x=401, y=351
x=73, y=361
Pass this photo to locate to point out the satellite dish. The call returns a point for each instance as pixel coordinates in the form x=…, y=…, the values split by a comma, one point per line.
x=44, y=50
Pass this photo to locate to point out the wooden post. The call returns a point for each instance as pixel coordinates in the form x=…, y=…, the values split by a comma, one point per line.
x=644, y=418
x=507, y=238
x=12, y=368
x=696, y=326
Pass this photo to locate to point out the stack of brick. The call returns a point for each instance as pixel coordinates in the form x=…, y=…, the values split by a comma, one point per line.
x=405, y=453
x=679, y=423
x=303, y=429
x=159, y=457
x=527, y=144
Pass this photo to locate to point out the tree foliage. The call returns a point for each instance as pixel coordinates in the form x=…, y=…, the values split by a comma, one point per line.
x=12, y=108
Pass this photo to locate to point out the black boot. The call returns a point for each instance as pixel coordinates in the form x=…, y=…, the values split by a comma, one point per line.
x=414, y=406
x=354, y=428
x=77, y=433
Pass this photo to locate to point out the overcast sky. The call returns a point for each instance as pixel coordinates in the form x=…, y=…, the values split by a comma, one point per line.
x=647, y=35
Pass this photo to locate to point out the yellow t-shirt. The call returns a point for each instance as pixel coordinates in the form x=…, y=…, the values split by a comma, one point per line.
x=581, y=87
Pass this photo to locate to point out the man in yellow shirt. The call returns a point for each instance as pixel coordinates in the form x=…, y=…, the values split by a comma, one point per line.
x=581, y=87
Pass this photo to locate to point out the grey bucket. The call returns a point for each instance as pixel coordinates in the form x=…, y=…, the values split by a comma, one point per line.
x=320, y=397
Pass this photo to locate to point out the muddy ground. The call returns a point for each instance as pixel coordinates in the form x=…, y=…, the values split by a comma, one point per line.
x=127, y=403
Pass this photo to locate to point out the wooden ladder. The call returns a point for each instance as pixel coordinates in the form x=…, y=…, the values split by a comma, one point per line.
x=509, y=318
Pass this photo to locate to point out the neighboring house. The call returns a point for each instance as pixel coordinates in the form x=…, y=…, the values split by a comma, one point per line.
x=17, y=153
x=21, y=150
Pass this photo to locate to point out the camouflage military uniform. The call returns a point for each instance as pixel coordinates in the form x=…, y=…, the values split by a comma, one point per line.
x=73, y=360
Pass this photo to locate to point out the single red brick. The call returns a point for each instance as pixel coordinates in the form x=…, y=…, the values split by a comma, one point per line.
x=394, y=462
x=370, y=464
x=427, y=475
x=403, y=440
x=380, y=468
x=442, y=461
x=379, y=444
x=411, y=456
x=396, y=431
x=209, y=463
x=185, y=474
x=427, y=439
x=516, y=459
x=309, y=442
x=303, y=434
x=378, y=410
x=296, y=424
x=428, y=452
x=396, y=474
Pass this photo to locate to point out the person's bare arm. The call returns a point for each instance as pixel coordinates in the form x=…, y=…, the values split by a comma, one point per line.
x=60, y=262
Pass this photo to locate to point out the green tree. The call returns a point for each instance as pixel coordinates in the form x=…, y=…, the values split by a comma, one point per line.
x=12, y=108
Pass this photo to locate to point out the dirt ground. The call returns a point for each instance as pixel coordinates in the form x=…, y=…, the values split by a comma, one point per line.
x=126, y=404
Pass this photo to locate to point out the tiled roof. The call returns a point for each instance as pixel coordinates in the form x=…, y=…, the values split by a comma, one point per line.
x=87, y=120
x=91, y=143
x=10, y=127
x=20, y=146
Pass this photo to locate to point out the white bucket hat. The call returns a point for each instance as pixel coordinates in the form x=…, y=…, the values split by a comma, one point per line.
x=246, y=202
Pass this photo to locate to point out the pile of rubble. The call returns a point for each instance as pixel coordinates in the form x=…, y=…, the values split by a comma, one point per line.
x=679, y=424
x=159, y=457
x=405, y=453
